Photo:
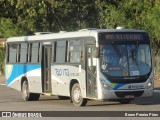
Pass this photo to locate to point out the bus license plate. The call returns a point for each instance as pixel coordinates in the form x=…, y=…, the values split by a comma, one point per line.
x=129, y=96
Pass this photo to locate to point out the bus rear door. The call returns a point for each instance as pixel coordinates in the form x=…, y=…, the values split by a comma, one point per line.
x=46, y=68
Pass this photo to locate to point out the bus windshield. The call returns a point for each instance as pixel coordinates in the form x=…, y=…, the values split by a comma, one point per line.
x=124, y=60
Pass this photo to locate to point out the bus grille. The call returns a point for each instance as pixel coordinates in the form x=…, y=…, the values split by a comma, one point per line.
x=122, y=94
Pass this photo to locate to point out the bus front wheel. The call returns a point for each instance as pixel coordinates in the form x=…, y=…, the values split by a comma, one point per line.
x=76, y=96
x=27, y=96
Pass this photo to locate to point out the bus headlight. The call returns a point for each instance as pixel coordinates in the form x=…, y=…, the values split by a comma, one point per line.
x=104, y=84
x=149, y=85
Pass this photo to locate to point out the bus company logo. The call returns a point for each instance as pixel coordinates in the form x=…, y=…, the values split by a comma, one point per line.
x=135, y=86
x=129, y=86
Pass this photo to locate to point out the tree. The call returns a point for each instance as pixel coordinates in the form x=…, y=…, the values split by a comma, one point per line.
x=49, y=15
x=133, y=14
x=24, y=17
x=8, y=28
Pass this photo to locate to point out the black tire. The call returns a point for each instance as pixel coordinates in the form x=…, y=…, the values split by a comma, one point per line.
x=125, y=101
x=27, y=96
x=76, y=96
x=63, y=98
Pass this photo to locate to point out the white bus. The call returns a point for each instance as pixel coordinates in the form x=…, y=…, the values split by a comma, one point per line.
x=98, y=64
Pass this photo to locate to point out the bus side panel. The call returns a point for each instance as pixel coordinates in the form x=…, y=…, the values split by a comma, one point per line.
x=62, y=76
x=15, y=72
x=77, y=72
x=34, y=79
x=59, y=80
x=149, y=91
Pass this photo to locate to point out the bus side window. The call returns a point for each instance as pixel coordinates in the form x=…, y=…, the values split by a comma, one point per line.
x=12, y=53
x=23, y=53
x=34, y=52
x=60, y=52
x=75, y=51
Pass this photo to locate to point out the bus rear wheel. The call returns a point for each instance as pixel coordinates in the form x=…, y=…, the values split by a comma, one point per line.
x=27, y=96
x=76, y=96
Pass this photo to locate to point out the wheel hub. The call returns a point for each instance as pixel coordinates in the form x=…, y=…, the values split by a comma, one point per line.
x=77, y=95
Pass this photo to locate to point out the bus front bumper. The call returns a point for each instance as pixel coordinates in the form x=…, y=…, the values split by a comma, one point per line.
x=125, y=94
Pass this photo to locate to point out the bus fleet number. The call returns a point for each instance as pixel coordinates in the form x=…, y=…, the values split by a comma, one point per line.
x=62, y=72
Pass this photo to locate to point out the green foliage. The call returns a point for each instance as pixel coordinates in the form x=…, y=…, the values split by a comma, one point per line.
x=51, y=15
x=24, y=17
x=8, y=28
x=133, y=14
x=2, y=54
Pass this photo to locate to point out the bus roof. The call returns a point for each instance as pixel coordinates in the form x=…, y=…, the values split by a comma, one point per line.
x=62, y=35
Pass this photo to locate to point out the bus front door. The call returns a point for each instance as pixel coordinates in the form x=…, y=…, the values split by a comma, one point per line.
x=91, y=71
x=46, y=68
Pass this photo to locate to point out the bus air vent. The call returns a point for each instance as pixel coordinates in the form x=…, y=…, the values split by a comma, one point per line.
x=62, y=31
x=88, y=29
x=122, y=94
x=41, y=33
x=120, y=27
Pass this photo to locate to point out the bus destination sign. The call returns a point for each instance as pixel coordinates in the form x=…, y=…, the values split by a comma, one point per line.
x=124, y=36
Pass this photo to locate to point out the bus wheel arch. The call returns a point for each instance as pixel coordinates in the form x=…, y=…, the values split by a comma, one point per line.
x=73, y=81
x=76, y=95
x=26, y=94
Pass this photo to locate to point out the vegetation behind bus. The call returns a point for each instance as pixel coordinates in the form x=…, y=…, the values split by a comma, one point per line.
x=16, y=18
x=2, y=57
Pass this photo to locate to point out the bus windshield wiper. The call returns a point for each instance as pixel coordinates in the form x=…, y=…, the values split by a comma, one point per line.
x=137, y=46
x=117, y=50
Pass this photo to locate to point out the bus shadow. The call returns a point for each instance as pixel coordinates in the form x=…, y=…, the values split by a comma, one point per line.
x=50, y=98
x=154, y=100
x=103, y=104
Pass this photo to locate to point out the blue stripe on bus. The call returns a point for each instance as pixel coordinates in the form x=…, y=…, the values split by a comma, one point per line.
x=16, y=70
x=117, y=86
x=114, y=86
